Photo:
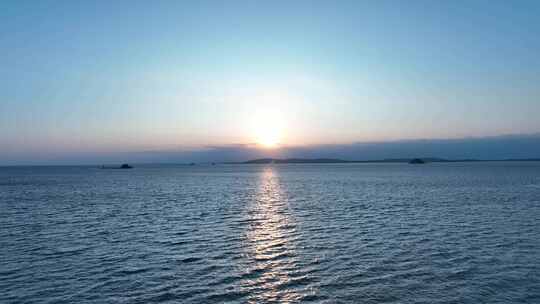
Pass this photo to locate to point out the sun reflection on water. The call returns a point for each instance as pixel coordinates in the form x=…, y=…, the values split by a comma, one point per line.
x=270, y=245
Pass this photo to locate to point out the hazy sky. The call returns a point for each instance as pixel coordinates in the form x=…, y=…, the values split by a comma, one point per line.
x=110, y=76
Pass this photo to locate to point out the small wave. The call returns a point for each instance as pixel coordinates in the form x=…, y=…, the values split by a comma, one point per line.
x=162, y=297
x=61, y=251
x=274, y=257
x=190, y=260
x=296, y=282
x=226, y=297
x=126, y=272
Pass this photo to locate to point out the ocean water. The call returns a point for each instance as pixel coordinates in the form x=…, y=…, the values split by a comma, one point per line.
x=313, y=233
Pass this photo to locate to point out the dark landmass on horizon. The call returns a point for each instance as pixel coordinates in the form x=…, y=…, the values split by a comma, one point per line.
x=390, y=160
x=517, y=147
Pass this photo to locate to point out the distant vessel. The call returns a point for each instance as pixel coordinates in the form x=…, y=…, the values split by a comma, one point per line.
x=416, y=161
x=123, y=166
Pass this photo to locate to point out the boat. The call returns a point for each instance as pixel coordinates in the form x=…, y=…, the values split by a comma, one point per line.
x=123, y=166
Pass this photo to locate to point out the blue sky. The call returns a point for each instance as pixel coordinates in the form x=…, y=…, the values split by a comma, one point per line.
x=83, y=77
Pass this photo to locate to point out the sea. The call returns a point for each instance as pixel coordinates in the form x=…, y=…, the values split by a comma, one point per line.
x=275, y=233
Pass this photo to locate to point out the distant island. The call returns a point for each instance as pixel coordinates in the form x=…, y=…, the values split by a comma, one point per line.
x=338, y=161
x=420, y=160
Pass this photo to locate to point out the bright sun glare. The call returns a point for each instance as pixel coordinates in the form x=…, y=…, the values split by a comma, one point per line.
x=268, y=128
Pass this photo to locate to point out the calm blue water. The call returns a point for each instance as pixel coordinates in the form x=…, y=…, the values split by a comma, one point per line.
x=349, y=233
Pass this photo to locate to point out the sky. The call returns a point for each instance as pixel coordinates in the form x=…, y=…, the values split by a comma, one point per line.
x=85, y=81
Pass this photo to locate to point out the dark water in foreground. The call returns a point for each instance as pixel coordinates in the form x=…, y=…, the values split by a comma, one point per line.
x=350, y=233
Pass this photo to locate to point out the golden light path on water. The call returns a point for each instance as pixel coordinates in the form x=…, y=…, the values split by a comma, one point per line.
x=271, y=245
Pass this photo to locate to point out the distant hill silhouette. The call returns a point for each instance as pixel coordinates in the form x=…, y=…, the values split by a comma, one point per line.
x=419, y=160
x=333, y=160
x=295, y=161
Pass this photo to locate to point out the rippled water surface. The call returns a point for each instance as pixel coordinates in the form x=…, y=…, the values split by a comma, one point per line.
x=352, y=233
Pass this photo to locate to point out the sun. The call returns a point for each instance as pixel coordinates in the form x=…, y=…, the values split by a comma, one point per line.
x=268, y=138
x=268, y=128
